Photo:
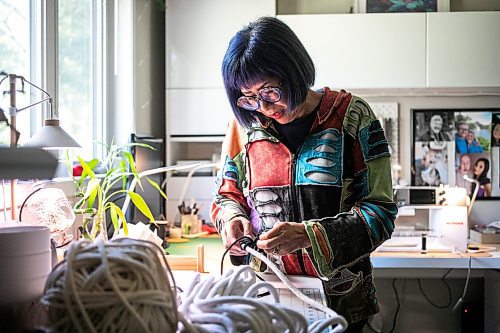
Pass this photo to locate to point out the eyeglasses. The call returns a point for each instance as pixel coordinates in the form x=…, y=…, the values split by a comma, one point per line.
x=267, y=94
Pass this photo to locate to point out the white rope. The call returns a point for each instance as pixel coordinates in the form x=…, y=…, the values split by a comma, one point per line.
x=335, y=318
x=231, y=304
x=120, y=286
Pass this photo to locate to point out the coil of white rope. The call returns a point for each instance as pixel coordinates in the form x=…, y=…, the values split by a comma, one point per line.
x=334, y=316
x=120, y=286
x=231, y=304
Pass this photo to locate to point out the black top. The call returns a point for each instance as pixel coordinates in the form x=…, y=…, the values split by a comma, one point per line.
x=294, y=133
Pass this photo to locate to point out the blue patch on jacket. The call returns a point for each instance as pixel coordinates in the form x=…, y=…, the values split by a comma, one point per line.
x=320, y=159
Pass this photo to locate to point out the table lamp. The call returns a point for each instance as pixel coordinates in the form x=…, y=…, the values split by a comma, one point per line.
x=50, y=136
x=474, y=195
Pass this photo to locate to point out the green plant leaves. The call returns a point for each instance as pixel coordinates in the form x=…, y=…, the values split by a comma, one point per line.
x=141, y=205
x=156, y=186
x=102, y=190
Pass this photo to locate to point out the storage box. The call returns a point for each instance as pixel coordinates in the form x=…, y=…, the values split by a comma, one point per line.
x=484, y=238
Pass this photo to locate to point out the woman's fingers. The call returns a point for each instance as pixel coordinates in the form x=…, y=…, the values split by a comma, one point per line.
x=235, y=229
x=283, y=238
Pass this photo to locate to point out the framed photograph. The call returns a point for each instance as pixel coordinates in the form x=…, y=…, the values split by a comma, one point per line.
x=457, y=147
x=403, y=6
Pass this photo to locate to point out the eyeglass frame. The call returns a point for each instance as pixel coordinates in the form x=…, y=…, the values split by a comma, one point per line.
x=259, y=98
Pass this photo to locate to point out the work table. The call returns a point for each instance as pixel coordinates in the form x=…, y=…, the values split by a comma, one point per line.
x=485, y=260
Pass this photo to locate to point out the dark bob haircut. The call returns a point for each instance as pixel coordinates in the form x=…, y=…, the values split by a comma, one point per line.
x=266, y=48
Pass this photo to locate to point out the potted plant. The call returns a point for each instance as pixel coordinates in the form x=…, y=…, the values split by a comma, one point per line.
x=98, y=195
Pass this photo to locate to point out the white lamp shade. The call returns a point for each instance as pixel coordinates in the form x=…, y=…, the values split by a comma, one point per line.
x=51, y=136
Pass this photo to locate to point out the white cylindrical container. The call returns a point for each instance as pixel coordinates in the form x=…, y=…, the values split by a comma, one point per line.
x=25, y=262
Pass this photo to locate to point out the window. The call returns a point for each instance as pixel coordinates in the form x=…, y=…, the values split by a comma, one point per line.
x=15, y=58
x=59, y=46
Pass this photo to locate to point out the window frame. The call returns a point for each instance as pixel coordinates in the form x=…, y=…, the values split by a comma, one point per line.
x=45, y=67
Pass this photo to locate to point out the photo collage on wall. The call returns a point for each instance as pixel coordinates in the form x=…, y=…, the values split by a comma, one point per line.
x=457, y=147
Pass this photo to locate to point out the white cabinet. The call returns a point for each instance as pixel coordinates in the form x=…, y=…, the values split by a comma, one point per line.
x=197, y=35
x=463, y=49
x=197, y=112
x=198, y=32
x=364, y=50
x=199, y=190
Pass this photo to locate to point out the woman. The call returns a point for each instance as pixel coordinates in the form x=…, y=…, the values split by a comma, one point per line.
x=481, y=168
x=495, y=135
x=307, y=172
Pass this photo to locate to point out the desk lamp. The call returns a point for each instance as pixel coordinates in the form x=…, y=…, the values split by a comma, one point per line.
x=474, y=195
x=51, y=136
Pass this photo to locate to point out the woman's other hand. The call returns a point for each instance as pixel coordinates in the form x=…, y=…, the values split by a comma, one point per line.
x=234, y=229
x=284, y=238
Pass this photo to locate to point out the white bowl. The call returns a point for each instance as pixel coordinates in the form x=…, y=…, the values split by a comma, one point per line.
x=18, y=239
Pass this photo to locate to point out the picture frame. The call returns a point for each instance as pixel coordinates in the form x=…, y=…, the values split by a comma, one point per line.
x=401, y=6
x=449, y=144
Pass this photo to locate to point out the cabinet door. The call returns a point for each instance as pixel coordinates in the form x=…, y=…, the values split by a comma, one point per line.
x=364, y=50
x=198, y=188
x=197, y=111
x=463, y=49
x=198, y=33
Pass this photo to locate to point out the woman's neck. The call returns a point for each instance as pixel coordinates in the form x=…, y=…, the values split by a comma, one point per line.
x=312, y=101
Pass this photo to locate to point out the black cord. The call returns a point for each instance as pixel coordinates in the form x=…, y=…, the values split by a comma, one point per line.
x=461, y=299
x=24, y=203
x=447, y=286
x=245, y=241
x=397, y=307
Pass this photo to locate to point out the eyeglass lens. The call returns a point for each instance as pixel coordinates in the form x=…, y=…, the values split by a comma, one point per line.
x=268, y=94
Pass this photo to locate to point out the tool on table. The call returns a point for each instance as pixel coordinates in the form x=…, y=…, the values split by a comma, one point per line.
x=190, y=222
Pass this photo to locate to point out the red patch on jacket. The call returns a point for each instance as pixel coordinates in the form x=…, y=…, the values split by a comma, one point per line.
x=292, y=266
x=231, y=191
x=269, y=164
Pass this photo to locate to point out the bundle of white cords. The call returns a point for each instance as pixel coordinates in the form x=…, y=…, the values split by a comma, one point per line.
x=231, y=304
x=334, y=316
x=120, y=286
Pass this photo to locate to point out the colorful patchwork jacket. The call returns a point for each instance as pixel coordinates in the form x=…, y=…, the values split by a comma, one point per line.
x=338, y=185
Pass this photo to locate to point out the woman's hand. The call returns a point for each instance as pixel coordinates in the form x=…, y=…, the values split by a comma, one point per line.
x=284, y=238
x=234, y=229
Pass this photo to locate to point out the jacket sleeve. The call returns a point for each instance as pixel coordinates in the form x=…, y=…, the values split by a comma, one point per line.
x=229, y=201
x=368, y=210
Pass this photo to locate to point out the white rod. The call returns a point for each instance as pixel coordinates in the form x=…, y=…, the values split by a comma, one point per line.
x=145, y=173
x=190, y=174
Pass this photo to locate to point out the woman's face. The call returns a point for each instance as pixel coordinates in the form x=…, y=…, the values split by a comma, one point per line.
x=277, y=110
x=496, y=131
x=479, y=168
x=470, y=137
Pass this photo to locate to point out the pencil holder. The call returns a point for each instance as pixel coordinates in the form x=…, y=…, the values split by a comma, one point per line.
x=189, y=224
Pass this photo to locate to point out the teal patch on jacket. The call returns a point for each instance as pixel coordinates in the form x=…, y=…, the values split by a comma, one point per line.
x=320, y=159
